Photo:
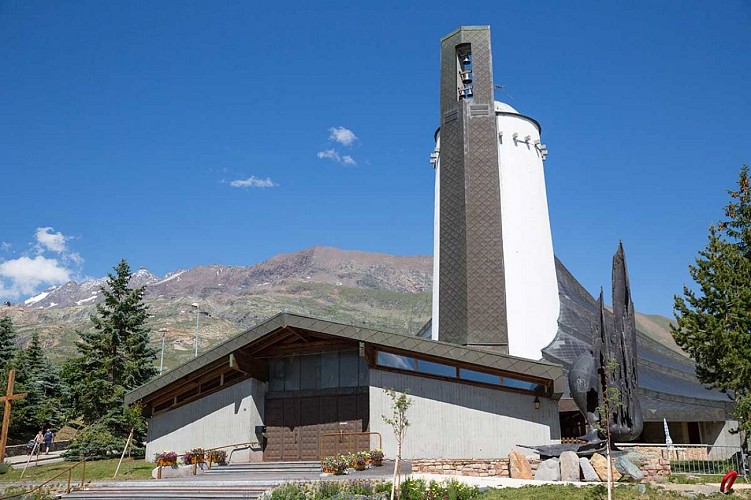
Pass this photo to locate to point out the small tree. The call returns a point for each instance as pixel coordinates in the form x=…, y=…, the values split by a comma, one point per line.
x=611, y=401
x=400, y=403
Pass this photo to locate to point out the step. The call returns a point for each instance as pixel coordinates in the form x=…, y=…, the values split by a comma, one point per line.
x=156, y=492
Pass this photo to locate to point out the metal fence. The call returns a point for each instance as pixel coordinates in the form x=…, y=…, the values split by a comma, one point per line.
x=699, y=459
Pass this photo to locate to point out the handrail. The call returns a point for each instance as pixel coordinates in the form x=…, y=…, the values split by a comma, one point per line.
x=69, y=470
x=208, y=451
x=351, y=441
x=237, y=445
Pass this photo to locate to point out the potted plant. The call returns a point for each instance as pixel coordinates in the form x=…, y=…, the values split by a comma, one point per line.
x=218, y=457
x=340, y=465
x=194, y=456
x=328, y=465
x=166, y=459
x=376, y=457
x=359, y=460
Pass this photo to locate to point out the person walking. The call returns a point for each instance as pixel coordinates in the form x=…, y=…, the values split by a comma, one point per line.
x=38, y=442
x=48, y=437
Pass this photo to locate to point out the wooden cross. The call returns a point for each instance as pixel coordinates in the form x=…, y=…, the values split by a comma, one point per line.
x=9, y=396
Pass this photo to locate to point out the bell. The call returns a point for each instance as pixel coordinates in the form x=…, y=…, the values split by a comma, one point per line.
x=467, y=76
x=468, y=92
x=462, y=93
x=466, y=61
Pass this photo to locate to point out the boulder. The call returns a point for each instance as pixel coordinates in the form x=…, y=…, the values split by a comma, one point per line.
x=588, y=472
x=549, y=470
x=569, y=466
x=628, y=468
x=518, y=466
x=600, y=465
x=176, y=471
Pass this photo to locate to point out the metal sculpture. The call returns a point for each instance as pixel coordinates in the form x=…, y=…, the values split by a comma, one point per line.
x=611, y=364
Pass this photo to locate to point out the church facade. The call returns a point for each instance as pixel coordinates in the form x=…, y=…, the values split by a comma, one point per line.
x=294, y=387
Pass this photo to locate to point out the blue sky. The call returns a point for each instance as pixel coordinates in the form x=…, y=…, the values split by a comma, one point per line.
x=124, y=124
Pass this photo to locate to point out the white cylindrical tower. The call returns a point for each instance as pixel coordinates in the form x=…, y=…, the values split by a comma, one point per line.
x=532, y=302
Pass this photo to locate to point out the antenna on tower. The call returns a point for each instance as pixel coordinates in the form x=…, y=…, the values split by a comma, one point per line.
x=499, y=86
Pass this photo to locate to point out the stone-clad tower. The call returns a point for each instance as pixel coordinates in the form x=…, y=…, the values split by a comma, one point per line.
x=472, y=300
x=494, y=276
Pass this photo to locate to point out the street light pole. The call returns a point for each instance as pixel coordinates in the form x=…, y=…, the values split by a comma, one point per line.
x=161, y=361
x=198, y=309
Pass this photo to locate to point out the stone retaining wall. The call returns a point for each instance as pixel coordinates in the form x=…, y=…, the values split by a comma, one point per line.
x=467, y=467
x=657, y=465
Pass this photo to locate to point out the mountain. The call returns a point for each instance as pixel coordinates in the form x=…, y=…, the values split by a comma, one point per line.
x=383, y=291
x=378, y=290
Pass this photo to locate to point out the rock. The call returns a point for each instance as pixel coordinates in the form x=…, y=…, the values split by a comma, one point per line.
x=176, y=471
x=588, y=472
x=549, y=470
x=569, y=466
x=628, y=468
x=600, y=465
x=518, y=466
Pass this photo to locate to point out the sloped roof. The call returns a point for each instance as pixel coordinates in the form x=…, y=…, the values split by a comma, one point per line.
x=667, y=380
x=469, y=355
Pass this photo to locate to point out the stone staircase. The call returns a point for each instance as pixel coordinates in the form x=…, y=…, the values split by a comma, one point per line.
x=277, y=469
x=247, y=481
x=156, y=491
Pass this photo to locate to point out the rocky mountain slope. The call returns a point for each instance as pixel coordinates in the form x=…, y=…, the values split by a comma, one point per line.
x=382, y=291
x=378, y=290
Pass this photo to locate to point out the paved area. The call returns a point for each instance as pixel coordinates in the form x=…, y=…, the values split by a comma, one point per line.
x=19, y=461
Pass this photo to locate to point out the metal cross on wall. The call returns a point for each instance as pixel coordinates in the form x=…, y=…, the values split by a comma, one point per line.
x=9, y=396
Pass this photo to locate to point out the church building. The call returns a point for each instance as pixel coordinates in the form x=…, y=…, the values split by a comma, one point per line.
x=486, y=374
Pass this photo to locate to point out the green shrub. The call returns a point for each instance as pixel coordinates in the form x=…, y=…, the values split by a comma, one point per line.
x=4, y=468
x=419, y=489
x=96, y=443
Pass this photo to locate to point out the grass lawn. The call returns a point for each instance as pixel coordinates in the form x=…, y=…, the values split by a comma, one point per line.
x=95, y=470
x=599, y=492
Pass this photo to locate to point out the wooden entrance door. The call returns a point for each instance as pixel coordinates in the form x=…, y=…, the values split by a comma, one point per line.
x=294, y=425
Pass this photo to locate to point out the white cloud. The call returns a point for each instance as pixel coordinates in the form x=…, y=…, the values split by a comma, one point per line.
x=343, y=136
x=5, y=246
x=253, y=182
x=48, y=262
x=24, y=275
x=333, y=154
x=47, y=240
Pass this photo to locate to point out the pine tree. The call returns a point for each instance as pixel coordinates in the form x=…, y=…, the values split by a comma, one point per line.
x=713, y=321
x=114, y=357
x=43, y=405
x=7, y=342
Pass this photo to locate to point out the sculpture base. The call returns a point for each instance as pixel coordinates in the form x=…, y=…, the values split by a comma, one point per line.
x=555, y=450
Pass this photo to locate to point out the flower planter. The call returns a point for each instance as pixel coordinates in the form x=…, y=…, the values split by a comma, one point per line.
x=377, y=462
x=166, y=462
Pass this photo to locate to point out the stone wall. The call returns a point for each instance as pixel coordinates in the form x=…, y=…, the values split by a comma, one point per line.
x=656, y=466
x=466, y=467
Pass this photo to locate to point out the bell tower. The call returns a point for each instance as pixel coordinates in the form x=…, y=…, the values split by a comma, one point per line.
x=472, y=296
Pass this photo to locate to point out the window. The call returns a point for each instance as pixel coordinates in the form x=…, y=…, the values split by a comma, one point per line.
x=447, y=370
x=396, y=361
x=325, y=370
x=432, y=368
x=485, y=378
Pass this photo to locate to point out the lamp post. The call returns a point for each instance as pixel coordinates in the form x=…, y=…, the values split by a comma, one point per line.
x=198, y=311
x=161, y=361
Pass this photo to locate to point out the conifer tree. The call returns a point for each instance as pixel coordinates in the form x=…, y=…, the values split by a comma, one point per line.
x=7, y=342
x=713, y=319
x=43, y=405
x=114, y=357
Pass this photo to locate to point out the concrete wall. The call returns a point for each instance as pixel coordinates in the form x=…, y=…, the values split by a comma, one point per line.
x=532, y=302
x=225, y=417
x=454, y=420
